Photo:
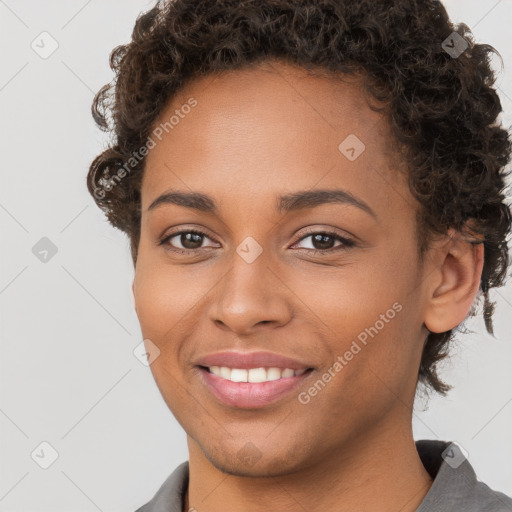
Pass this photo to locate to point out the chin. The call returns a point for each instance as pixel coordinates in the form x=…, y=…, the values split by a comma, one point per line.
x=248, y=461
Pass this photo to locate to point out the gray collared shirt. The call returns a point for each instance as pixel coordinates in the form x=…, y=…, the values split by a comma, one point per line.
x=455, y=487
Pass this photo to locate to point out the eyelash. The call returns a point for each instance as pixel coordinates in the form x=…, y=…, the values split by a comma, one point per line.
x=347, y=243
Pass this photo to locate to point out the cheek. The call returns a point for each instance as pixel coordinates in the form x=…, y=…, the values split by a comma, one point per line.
x=349, y=299
x=368, y=315
x=166, y=296
x=165, y=300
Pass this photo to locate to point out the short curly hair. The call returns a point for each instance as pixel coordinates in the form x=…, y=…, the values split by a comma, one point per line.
x=435, y=82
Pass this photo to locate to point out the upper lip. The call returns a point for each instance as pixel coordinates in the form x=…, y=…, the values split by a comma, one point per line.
x=246, y=360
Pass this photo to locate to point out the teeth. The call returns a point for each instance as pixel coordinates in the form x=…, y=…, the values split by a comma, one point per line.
x=257, y=375
x=225, y=372
x=288, y=372
x=253, y=375
x=238, y=375
x=273, y=374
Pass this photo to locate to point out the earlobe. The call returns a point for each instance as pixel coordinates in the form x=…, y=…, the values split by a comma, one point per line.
x=457, y=283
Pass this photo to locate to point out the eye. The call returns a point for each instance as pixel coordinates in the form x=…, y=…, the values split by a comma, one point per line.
x=190, y=240
x=322, y=242
x=187, y=241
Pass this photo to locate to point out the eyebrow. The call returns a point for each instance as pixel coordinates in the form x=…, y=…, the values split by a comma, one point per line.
x=290, y=202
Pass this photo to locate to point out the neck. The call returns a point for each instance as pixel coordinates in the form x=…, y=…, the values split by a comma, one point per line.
x=380, y=471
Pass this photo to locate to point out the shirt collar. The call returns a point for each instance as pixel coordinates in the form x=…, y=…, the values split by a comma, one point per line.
x=455, y=482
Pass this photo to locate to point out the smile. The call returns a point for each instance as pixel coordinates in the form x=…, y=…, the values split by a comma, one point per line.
x=254, y=375
x=252, y=388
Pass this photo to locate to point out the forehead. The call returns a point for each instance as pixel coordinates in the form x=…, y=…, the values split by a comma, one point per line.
x=275, y=124
x=272, y=93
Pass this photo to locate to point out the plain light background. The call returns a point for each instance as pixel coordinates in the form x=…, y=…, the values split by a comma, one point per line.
x=68, y=327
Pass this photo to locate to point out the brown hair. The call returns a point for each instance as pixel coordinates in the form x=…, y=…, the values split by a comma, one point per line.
x=442, y=107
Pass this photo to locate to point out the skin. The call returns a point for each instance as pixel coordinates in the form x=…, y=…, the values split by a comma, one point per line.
x=254, y=135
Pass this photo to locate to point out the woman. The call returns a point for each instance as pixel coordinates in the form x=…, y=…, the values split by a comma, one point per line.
x=313, y=192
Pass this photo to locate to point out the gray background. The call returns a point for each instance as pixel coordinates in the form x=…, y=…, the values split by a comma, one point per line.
x=68, y=327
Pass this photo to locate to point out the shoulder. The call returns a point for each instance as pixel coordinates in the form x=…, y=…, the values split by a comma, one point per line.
x=491, y=500
x=455, y=486
x=169, y=497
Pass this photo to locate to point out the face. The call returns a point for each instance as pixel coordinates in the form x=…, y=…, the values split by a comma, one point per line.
x=272, y=270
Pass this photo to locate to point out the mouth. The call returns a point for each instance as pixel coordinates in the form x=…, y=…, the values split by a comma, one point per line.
x=254, y=387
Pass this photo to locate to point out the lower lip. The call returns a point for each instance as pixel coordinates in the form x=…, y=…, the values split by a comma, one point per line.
x=250, y=395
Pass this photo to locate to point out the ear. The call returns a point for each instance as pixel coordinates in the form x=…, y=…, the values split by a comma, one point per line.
x=455, y=283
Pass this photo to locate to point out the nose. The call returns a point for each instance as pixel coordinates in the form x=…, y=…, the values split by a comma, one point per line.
x=251, y=296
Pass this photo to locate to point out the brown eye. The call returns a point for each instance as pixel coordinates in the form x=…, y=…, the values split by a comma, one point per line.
x=191, y=240
x=185, y=240
x=323, y=242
